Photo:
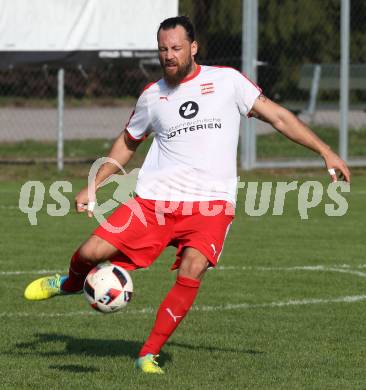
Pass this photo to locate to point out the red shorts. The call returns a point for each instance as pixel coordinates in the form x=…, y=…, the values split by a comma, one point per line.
x=141, y=229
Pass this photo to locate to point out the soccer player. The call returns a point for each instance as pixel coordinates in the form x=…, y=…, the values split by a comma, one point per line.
x=186, y=188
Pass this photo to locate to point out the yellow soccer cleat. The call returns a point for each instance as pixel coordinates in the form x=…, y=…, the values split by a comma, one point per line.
x=148, y=364
x=44, y=288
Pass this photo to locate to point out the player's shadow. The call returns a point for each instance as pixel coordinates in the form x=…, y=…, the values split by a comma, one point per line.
x=215, y=349
x=102, y=348
x=77, y=368
x=82, y=346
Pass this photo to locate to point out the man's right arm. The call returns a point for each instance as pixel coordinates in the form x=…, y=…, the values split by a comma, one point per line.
x=122, y=151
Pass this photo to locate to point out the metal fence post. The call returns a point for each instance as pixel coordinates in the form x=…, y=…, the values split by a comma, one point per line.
x=60, y=112
x=253, y=77
x=344, y=81
x=249, y=63
x=314, y=91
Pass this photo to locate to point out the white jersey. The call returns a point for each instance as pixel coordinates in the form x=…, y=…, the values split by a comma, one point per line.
x=196, y=126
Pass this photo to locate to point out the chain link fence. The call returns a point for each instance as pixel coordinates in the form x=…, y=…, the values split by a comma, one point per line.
x=298, y=66
x=97, y=101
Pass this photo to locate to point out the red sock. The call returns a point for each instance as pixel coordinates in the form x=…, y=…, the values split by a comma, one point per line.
x=77, y=273
x=171, y=312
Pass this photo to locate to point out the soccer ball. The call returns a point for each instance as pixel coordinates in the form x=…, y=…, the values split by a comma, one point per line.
x=108, y=288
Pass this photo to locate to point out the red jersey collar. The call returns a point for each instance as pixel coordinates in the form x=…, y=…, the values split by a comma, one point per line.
x=193, y=75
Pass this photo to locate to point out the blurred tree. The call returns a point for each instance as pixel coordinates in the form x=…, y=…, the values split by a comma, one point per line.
x=201, y=12
x=292, y=33
x=218, y=27
x=358, y=36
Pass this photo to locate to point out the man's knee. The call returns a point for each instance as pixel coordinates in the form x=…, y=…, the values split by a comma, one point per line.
x=194, y=264
x=96, y=250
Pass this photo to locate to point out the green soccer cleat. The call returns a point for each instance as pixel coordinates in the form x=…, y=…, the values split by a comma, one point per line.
x=148, y=364
x=44, y=288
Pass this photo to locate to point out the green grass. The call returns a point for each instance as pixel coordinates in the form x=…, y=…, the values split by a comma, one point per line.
x=87, y=149
x=268, y=146
x=275, y=145
x=62, y=344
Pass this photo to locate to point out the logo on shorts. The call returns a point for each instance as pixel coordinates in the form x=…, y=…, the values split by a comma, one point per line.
x=188, y=110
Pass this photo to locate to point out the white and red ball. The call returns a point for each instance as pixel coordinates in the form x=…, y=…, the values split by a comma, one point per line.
x=108, y=288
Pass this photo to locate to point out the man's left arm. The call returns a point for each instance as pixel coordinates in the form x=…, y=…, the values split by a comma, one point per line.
x=291, y=127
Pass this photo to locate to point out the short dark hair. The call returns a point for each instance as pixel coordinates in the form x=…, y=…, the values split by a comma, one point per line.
x=183, y=21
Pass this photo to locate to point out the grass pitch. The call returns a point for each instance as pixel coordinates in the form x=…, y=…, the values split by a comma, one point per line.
x=270, y=146
x=285, y=309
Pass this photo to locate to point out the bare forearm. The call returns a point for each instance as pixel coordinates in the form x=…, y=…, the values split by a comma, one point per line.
x=288, y=124
x=121, y=152
x=291, y=127
x=297, y=131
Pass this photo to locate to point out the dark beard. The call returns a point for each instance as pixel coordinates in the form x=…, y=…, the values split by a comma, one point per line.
x=174, y=80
